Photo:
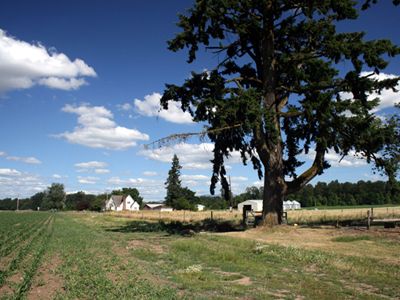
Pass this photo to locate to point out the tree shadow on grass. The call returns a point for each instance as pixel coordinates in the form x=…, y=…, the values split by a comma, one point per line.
x=180, y=228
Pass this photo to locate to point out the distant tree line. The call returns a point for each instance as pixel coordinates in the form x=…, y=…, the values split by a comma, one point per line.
x=54, y=197
x=335, y=193
x=322, y=194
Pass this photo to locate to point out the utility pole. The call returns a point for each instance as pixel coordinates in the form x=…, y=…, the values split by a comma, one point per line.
x=230, y=194
x=18, y=202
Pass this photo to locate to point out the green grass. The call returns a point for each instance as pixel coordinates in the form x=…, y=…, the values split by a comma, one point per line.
x=101, y=257
x=352, y=238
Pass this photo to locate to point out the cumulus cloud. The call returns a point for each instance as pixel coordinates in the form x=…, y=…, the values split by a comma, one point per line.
x=150, y=107
x=88, y=180
x=195, y=180
x=91, y=165
x=27, y=184
x=191, y=156
x=336, y=160
x=101, y=171
x=388, y=98
x=9, y=172
x=150, y=173
x=24, y=65
x=28, y=160
x=2, y=153
x=97, y=129
x=125, y=106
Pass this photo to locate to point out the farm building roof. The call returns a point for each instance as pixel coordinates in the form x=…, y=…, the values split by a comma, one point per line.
x=118, y=199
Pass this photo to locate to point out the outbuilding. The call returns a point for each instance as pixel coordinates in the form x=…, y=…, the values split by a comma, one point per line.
x=157, y=206
x=200, y=207
x=254, y=205
x=257, y=205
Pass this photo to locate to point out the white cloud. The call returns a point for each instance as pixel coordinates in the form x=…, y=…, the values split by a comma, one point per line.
x=97, y=129
x=150, y=173
x=91, y=165
x=24, y=65
x=336, y=160
x=57, y=176
x=239, y=178
x=9, y=172
x=14, y=183
x=388, y=98
x=63, y=84
x=88, y=180
x=101, y=171
x=28, y=160
x=258, y=183
x=195, y=177
x=191, y=156
x=195, y=180
x=125, y=106
x=151, y=107
x=2, y=153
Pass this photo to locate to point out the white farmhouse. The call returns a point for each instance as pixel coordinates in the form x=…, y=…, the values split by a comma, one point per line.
x=121, y=202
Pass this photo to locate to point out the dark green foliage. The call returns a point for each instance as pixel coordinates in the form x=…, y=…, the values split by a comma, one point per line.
x=213, y=202
x=173, y=183
x=338, y=194
x=178, y=197
x=277, y=89
x=54, y=197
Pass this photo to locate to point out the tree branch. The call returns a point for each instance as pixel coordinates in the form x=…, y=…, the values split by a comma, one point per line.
x=308, y=175
x=180, y=137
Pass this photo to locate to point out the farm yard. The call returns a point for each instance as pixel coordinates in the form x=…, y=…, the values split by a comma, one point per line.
x=114, y=256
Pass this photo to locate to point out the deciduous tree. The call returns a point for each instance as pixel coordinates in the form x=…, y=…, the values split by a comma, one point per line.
x=54, y=197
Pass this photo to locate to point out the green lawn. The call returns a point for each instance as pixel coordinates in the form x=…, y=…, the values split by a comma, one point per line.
x=92, y=256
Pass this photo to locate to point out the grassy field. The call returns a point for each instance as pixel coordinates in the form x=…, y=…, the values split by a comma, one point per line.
x=100, y=256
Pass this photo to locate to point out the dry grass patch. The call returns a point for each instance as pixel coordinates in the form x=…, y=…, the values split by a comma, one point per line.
x=141, y=244
x=383, y=243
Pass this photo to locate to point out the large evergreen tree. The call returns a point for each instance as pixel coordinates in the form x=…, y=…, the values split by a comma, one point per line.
x=173, y=183
x=286, y=80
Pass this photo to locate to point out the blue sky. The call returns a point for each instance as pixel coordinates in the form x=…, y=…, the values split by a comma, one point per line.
x=79, y=87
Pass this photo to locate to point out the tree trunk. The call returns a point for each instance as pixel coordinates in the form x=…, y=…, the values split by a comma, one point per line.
x=274, y=191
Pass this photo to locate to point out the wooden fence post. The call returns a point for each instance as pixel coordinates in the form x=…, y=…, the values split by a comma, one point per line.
x=368, y=219
x=212, y=216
